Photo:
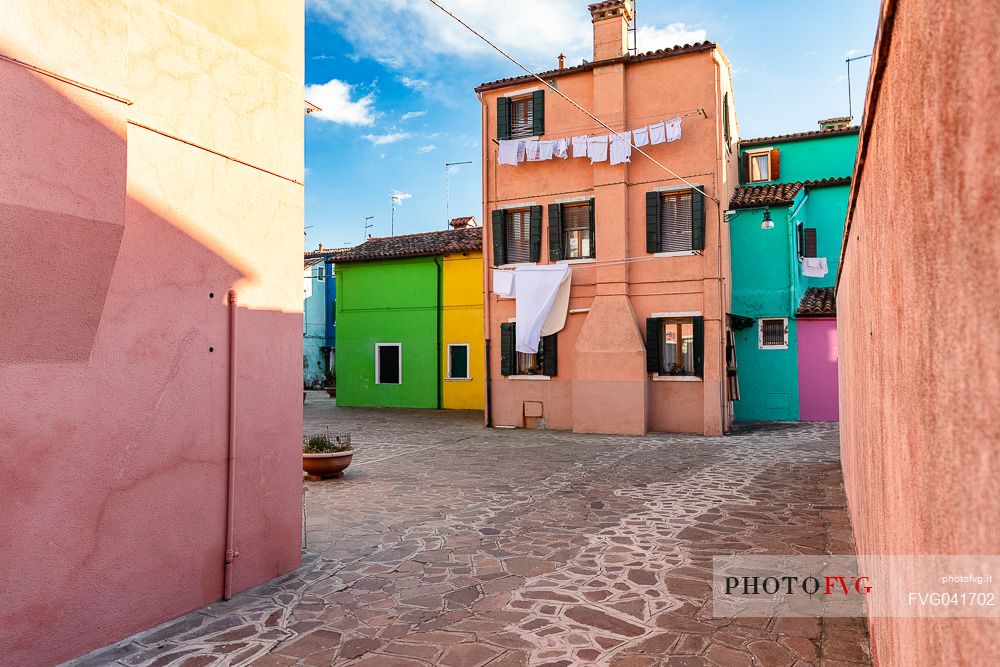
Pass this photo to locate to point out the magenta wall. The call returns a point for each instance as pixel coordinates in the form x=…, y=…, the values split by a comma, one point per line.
x=818, y=399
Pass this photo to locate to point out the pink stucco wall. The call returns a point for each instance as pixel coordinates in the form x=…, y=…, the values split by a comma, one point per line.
x=601, y=350
x=918, y=312
x=118, y=245
x=817, y=357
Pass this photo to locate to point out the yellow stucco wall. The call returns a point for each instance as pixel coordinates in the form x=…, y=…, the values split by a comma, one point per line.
x=462, y=300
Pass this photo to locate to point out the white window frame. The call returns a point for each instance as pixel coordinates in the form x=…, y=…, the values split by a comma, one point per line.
x=468, y=362
x=377, y=369
x=750, y=157
x=760, y=334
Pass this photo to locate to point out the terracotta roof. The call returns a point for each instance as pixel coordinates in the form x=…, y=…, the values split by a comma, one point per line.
x=464, y=221
x=425, y=244
x=311, y=261
x=642, y=57
x=819, y=301
x=756, y=196
x=827, y=182
x=798, y=136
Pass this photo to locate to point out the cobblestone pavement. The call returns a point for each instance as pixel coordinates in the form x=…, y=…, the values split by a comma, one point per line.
x=450, y=544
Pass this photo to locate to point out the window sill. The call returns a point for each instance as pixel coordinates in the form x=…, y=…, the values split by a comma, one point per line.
x=676, y=378
x=458, y=379
x=515, y=265
x=578, y=260
x=772, y=347
x=529, y=377
x=677, y=253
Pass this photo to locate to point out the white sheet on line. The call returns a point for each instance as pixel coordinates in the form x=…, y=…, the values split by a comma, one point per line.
x=535, y=290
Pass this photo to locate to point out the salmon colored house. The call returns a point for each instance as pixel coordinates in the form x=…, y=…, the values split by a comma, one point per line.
x=644, y=345
x=151, y=160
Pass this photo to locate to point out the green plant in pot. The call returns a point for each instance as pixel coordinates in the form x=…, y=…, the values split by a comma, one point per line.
x=324, y=456
x=330, y=382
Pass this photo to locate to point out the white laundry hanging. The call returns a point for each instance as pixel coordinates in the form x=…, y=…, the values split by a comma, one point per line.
x=536, y=288
x=640, y=137
x=674, y=129
x=580, y=146
x=657, y=133
x=533, y=150
x=621, y=147
x=508, y=151
x=814, y=267
x=546, y=149
x=561, y=149
x=503, y=283
x=597, y=148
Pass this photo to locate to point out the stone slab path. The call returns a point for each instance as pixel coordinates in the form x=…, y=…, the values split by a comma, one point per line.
x=450, y=544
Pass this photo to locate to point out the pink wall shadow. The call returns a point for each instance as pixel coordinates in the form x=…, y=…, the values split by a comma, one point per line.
x=818, y=398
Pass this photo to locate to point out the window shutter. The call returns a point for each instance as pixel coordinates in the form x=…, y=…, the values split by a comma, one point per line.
x=593, y=230
x=507, y=353
x=499, y=238
x=745, y=168
x=538, y=113
x=535, y=233
x=555, y=232
x=725, y=120
x=652, y=222
x=775, y=164
x=654, y=327
x=809, y=242
x=699, y=345
x=503, y=118
x=697, y=220
x=549, y=355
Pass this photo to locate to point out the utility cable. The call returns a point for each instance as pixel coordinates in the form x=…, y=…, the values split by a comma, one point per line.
x=562, y=95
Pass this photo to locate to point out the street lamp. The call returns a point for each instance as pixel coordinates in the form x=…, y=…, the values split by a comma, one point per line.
x=767, y=223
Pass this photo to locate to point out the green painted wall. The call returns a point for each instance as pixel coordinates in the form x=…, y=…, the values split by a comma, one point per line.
x=813, y=159
x=826, y=210
x=764, y=281
x=387, y=302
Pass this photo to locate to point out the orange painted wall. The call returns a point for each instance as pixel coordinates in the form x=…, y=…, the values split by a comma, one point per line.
x=601, y=352
x=918, y=312
x=124, y=225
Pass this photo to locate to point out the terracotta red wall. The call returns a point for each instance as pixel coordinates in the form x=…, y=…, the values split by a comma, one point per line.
x=918, y=311
x=118, y=244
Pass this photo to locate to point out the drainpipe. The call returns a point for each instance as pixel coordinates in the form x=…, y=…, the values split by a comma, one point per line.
x=440, y=377
x=231, y=552
x=487, y=305
x=489, y=387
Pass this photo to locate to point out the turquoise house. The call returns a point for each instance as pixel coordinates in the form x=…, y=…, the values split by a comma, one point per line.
x=786, y=222
x=318, y=315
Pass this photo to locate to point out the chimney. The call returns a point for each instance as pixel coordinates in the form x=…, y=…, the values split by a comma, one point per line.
x=830, y=124
x=611, y=21
x=462, y=223
x=320, y=247
x=562, y=61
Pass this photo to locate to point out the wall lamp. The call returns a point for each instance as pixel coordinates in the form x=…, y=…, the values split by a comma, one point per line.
x=767, y=223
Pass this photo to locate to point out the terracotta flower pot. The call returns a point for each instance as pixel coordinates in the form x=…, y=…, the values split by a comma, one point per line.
x=323, y=466
x=332, y=391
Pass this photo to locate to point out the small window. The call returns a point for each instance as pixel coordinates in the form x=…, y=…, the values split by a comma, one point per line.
x=576, y=231
x=529, y=364
x=808, y=248
x=388, y=363
x=677, y=351
x=518, y=230
x=458, y=361
x=522, y=117
x=675, y=221
x=773, y=334
x=760, y=166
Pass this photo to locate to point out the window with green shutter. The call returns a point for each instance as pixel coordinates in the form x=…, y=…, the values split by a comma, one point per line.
x=512, y=362
x=522, y=116
x=675, y=221
x=517, y=235
x=675, y=345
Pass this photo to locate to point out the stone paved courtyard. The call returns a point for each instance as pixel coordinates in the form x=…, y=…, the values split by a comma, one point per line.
x=450, y=544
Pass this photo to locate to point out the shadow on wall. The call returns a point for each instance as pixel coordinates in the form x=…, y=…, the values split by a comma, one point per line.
x=114, y=393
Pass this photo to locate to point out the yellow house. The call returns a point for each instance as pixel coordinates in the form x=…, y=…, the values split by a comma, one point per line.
x=463, y=365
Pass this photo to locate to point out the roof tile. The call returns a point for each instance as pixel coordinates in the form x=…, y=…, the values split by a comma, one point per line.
x=819, y=301
x=798, y=136
x=425, y=244
x=756, y=196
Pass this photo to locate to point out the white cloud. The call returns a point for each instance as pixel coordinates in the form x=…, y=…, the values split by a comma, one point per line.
x=404, y=33
x=850, y=53
x=418, y=85
x=411, y=114
x=387, y=138
x=398, y=197
x=429, y=148
x=651, y=38
x=334, y=98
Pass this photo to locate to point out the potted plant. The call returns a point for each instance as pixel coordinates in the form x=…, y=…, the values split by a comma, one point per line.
x=324, y=456
x=330, y=382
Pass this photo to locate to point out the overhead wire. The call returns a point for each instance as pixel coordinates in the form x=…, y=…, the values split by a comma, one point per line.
x=571, y=101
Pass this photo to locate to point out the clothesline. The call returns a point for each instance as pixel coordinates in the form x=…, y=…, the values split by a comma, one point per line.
x=606, y=262
x=615, y=147
x=649, y=117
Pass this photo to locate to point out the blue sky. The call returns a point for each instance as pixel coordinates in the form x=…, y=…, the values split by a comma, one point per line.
x=395, y=80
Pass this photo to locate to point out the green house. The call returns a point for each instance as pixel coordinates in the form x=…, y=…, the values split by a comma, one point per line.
x=787, y=214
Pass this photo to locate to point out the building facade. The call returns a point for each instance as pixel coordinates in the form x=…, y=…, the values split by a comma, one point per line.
x=786, y=346
x=410, y=321
x=918, y=317
x=648, y=251
x=316, y=358
x=127, y=164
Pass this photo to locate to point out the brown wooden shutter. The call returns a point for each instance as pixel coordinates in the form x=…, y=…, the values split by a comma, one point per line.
x=745, y=168
x=775, y=164
x=809, y=242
